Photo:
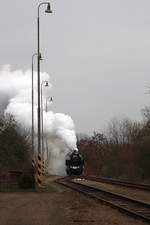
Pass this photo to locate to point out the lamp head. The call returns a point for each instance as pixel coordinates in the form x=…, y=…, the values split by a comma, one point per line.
x=46, y=84
x=40, y=57
x=48, y=10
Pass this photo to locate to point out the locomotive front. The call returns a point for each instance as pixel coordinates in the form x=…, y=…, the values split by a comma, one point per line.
x=74, y=163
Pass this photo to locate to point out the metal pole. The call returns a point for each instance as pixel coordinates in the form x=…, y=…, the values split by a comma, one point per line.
x=33, y=105
x=42, y=122
x=38, y=84
x=38, y=70
x=46, y=109
x=46, y=137
x=47, y=150
x=46, y=105
x=32, y=114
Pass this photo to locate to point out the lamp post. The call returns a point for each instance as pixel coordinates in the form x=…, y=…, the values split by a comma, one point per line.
x=48, y=10
x=46, y=85
x=35, y=54
x=50, y=99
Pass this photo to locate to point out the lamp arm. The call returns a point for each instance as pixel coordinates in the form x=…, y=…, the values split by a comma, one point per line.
x=42, y=3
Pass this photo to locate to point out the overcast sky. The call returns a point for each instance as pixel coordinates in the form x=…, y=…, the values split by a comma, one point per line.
x=97, y=53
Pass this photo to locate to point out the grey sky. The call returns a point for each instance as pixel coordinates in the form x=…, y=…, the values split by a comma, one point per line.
x=97, y=52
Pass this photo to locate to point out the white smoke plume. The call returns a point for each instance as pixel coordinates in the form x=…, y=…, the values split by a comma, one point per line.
x=15, y=99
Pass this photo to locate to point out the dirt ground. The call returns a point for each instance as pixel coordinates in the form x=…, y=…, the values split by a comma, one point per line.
x=58, y=206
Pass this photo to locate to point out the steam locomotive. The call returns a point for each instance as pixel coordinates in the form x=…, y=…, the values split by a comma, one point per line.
x=74, y=163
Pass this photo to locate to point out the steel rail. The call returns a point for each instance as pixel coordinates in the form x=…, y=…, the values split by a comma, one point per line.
x=140, y=186
x=134, y=208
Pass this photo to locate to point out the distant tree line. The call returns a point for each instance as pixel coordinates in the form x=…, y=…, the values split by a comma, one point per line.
x=122, y=152
x=15, y=147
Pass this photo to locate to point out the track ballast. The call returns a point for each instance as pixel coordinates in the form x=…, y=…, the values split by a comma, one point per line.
x=134, y=208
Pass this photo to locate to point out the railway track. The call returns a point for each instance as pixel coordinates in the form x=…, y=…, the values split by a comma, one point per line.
x=134, y=208
x=144, y=187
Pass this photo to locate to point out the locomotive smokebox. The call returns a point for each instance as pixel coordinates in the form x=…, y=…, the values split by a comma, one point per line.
x=74, y=163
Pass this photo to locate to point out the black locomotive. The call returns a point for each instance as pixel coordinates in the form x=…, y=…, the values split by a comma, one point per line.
x=74, y=163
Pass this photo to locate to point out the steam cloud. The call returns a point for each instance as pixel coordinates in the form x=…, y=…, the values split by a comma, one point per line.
x=15, y=99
